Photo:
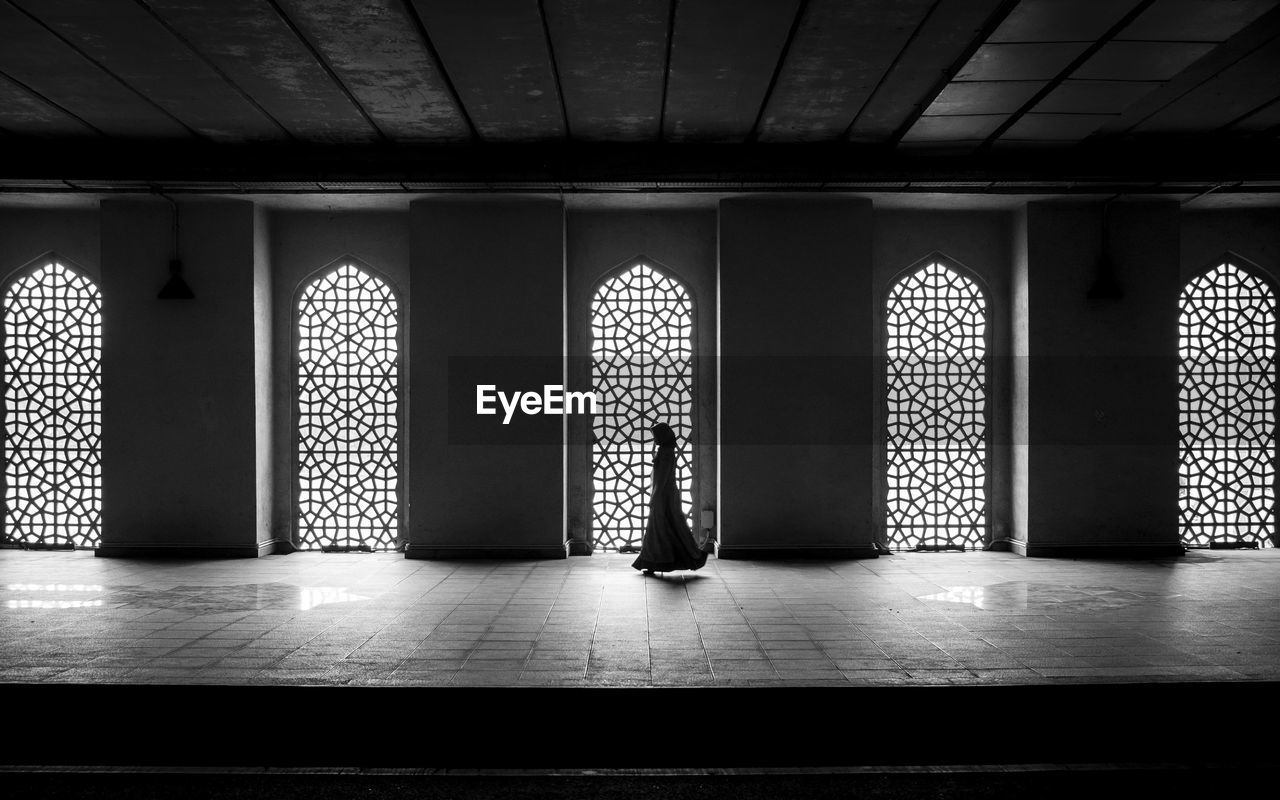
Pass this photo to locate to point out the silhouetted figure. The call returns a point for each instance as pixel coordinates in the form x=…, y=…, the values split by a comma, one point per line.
x=668, y=543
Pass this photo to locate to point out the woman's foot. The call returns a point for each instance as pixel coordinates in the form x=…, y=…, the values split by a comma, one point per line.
x=648, y=572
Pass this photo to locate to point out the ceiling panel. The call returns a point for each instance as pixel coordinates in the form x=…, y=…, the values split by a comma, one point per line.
x=375, y=49
x=1236, y=92
x=128, y=41
x=1195, y=20
x=500, y=64
x=721, y=65
x=838, y=57
x=23, y=113
x=253, y=46
x=954, y=128
x=1060, y=20
x=939, y=43
x=612, y=56
x=942, y=148
x=1141, y=61
x=42, y=62
x=1096, y=97
x=1222, y=57
x=449, y=71
x=1264, y=120
x=984, y=97
x=1054, y=127
x=1040, y=61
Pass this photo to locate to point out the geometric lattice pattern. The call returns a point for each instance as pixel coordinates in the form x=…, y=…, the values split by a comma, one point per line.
x=53, y=408
x=937, y=411
x=642, y=374
x=348, y=412
x=1227, y=401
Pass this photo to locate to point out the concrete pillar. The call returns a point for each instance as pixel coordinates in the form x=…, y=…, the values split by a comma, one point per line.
x=186, y=465
x=1095, y=389
x=796, y=321
x=487, y=308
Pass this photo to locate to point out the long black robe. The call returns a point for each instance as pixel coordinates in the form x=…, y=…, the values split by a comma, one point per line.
x=668, y=543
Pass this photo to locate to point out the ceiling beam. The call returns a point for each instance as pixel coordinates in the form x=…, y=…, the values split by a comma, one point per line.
x=434, y=55
x=1066, y=72
x=989, y=27
x=22, y=87
x=893, y=65
x=666, y=71
x=555, y=68
x=328, y=69
x=208, y=62
x=102, y=68
x=754, y=134
x=577, y=166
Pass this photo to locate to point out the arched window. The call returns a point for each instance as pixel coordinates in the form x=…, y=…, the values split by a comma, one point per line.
x=348, y=411
x=937, y=415
x=1226, y=408
x=52, y=407
x=642, y=374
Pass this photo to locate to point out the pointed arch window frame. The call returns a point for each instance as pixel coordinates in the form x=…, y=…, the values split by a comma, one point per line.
x=295, y=397
x=1254, y=270
x=992, y=414
x=37, y=263
x=696, y=437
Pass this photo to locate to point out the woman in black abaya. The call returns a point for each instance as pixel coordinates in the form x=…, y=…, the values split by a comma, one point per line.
x=668, y=543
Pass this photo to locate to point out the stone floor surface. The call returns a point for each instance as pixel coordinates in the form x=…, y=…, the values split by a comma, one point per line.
x=379, y=619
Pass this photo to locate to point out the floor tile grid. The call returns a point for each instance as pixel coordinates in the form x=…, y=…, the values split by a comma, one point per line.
x=788, y=617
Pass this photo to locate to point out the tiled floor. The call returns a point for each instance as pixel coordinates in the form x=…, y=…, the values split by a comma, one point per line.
x=365, y=619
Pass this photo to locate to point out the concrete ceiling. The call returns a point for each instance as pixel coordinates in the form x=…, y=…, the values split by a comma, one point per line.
x=905, y=79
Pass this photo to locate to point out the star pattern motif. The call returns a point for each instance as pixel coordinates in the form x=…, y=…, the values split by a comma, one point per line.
x=1227, y=400
x=53, y=408
x=348, y=412
x=937, y=411
x=642, y=373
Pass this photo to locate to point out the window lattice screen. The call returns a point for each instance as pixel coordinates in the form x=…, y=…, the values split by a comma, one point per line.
x=53, y=408
x=348, y=407
x=642, y=373
x=937, y=411
x=1227, y=398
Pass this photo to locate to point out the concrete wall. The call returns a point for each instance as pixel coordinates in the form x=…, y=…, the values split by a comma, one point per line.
x=264, y=373
x=28, y=233
x=796, y=371
x=1019, y=382
x=1253, y=233
x=489, y=309
x=683, y=242
x=198, y=433
x=179, y=412
x=1101, y=401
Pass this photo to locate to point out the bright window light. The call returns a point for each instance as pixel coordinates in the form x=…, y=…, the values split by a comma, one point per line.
x=53, y=408
x=642, y=373
x=1226, y=405
x=937, y=411
x=348, y=412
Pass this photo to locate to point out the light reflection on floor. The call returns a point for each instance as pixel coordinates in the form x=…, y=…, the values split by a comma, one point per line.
x=1029, y=595
x=53, y=595
x=381, y=619
x=239, y=597
x=313, y=596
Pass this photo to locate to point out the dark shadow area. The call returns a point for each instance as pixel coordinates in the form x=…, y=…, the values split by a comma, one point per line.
x=545, y=728
x=1178, y=782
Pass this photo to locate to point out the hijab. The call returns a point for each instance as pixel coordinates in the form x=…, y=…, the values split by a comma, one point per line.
x=663, y=435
